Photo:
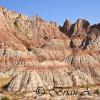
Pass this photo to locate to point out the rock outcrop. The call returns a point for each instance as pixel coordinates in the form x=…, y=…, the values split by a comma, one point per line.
x=35, y=52
x=80, y=27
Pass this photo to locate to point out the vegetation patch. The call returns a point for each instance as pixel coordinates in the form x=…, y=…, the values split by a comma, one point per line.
x=46, y=37
x=5, y=98
x=16, y=25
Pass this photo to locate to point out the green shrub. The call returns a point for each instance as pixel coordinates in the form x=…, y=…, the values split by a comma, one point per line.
x=16, y=24
x=5, y=98
x=45, y=37
x=26, y=32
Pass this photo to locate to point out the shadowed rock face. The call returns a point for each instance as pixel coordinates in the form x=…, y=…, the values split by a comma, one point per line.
x=36, y=53
x=80, y=27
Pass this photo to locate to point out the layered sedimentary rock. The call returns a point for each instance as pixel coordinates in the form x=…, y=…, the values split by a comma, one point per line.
x=37, y=53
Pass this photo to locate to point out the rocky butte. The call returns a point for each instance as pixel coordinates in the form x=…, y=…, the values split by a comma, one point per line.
x=37, y=53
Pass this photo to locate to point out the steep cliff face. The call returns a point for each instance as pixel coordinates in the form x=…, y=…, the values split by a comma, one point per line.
x=80, y=27
x=34, y=52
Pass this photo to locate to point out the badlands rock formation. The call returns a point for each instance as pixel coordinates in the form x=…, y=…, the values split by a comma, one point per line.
x=37, y=53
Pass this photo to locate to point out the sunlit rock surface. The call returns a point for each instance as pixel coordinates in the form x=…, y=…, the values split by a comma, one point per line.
x=35, y=52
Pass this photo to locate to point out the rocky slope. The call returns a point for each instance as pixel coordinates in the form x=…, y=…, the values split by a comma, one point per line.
x=34, y=52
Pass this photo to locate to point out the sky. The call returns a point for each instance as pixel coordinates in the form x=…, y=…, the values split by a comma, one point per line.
x=57, y=10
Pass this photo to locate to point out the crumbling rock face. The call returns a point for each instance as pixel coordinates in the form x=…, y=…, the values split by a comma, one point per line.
x=35, y=52
x=81, y=59
x=48, y=76
x=55, y=49
x=66, y=28
x=32, y=33
x=80, y=27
